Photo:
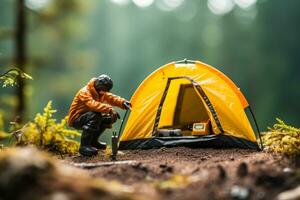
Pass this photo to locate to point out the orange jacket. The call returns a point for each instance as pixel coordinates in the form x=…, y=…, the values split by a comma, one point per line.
x=88, y=99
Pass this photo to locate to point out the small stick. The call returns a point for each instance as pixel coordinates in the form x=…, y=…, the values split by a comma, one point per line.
x=102, y=164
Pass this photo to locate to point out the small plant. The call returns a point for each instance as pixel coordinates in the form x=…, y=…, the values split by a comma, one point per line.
x=108, y=151
x=45, y=133
x=9, y=78
x=282, y=138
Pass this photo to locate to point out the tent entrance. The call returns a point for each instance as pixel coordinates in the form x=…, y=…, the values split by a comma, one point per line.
x=183, y=112
x=189, y=108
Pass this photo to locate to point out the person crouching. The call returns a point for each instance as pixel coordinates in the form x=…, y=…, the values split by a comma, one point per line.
x=92, y=112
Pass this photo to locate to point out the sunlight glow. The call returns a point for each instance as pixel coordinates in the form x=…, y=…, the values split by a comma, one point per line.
x=143, y=3
x=36, y=4
x=245, y=3
x=121, y=2
x=220, y=7
x=212, y=35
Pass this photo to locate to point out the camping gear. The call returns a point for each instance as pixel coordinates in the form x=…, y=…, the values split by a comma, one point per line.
x=169, y=133
x=201, y=128
x=182, y=95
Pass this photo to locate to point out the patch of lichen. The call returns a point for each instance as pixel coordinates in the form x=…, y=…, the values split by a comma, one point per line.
x=282, y=138
x=45, y=133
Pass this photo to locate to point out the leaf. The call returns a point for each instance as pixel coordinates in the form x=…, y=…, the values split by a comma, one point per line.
x=10, y=77
x=26, y=76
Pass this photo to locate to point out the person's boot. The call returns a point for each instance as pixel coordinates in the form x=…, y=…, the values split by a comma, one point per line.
x=95, y=140
x=99, y=145
x=85, y=148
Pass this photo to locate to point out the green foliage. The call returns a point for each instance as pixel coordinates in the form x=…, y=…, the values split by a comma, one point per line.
x=3, y=134
x=45, y=133
x=282, y=138
x=10, y=77
x=1, y=122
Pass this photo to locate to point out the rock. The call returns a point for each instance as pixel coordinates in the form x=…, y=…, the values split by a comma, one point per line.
x=28, y=174
x=121, y=153
x=288, y=170
x=239, y=192
x=293, y=194
x=270, y=180
x=203, y=158
x=165, y=168
x=260, y=195
x=141, y=167
x=242, y=170
x=259, y=162
x=195, y=170
x=222, y=173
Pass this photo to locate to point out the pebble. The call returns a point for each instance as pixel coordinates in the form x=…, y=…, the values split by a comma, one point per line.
x=239, y=192
x=242, y=170
x=287, y=170
x=222, y=172
x=293, y=194
x=165, y=168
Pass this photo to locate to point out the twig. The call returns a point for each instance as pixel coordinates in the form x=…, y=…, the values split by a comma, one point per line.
x=103, y=164
x=7, y=72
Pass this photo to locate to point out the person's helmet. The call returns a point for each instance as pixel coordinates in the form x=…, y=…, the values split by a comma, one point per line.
x=103, y=83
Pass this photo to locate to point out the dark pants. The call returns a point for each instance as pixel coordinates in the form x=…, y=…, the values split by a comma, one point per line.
x=93, y=122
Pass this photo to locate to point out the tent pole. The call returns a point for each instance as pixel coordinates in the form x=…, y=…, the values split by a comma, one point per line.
x=259, y=135
x=122, y=123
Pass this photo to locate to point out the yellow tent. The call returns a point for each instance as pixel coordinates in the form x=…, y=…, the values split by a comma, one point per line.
x=188, y=103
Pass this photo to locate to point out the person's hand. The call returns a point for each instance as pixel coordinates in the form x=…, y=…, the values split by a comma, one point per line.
x=115, y=114
x=127, y=105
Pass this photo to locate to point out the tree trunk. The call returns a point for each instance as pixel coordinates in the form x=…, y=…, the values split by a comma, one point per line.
x=20, y=56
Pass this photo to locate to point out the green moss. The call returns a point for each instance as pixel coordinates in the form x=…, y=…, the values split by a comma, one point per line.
x=282, y=138
x=45, y=133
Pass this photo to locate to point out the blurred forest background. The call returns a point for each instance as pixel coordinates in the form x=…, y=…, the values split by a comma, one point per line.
x=255, y=42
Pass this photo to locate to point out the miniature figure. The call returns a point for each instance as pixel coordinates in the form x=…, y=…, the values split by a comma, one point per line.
x=91, y=111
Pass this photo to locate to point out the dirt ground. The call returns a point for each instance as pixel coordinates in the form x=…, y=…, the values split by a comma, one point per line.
x=184, y=173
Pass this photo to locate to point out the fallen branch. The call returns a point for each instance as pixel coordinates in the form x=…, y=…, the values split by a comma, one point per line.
x=103, y=164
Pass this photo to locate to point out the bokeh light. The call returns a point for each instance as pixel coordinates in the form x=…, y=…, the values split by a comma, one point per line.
x=246, y=17
x=245, y=3
x=121, y=2
x=169, y=5
x=143, y=3
x=37, y=4
x=220, y=7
